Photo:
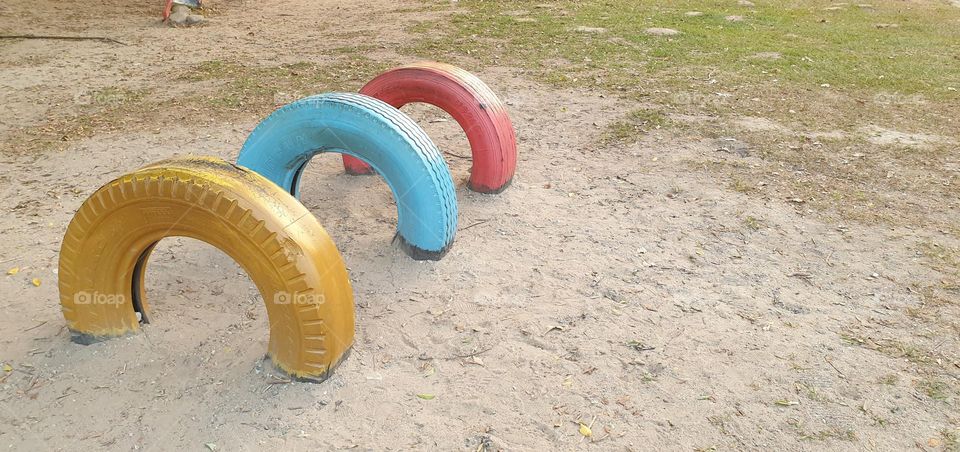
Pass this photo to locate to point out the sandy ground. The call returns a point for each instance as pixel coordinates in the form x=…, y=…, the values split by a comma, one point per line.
x=612, y=286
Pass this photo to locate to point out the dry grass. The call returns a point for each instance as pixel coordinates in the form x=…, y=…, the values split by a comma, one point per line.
x=206, y=92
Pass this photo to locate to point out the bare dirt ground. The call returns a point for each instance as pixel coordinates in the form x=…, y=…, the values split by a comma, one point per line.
x=618, y=286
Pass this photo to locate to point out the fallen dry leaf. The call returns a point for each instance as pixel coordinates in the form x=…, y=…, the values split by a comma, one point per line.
x=585, y=431
x=36, y=282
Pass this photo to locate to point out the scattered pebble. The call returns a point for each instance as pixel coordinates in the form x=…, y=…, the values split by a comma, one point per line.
x=746, y=3
x=583, y=29
x=656, y=31
x=693, y=13
x=734, y=18
x=767, y=55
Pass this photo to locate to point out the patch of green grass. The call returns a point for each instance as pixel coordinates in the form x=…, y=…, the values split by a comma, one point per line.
x=935, y=389
x=797, y=63
x=262, y=88
x=810, y=392
x=208, y=70
x=358, y=50
x=910, y=352
x=895, y=349
x=889, y=379
x=878, y=420
x=951, y=439
x=422, y=27
x=834, y=433
x=107, y=109
x=941, y=256
x=794, y=42
x=114, y=96
x=741, y=186
x=753, y=223
x=635, y=123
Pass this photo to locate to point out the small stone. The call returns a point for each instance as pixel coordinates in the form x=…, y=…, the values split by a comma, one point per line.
x=179, y=14
x=734, y=18
x=182, y=16
x=888, y=26
x=656, y=31
x=693, y=13
x=597, y=30
x=746, y=3
x=194, y=19
x=767, y=56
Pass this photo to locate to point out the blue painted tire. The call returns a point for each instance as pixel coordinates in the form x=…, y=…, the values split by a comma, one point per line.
x=373, y=131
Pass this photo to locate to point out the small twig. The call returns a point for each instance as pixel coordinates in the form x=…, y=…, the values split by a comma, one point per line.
x=65, y=38
x=67, y=394
x=470, y=355
x=451, y=154
x=475, y=224
x=827, y=359
x=36, y=326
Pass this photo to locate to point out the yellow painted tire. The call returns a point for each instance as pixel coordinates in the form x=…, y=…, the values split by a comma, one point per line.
x=281, y=245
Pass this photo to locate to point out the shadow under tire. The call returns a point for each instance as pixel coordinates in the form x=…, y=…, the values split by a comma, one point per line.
x=282, y=247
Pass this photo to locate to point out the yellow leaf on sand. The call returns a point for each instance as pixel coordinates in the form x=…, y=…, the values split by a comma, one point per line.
x=585, y=431
x=36, y=282
x=426, y=396
x=13, y=271
x=7, y=368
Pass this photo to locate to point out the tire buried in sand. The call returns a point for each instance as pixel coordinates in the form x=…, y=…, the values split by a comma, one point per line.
x=480, y=113
x=282, y=247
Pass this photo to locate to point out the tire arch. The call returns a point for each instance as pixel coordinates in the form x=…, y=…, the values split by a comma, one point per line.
x=285, y=251
x=470, y=102
x=369, y=129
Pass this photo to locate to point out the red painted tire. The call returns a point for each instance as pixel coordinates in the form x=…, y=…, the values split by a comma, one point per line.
x=469, y=101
